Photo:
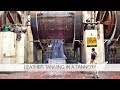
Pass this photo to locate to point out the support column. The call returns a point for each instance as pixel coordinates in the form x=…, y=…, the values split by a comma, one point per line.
x=30, y=43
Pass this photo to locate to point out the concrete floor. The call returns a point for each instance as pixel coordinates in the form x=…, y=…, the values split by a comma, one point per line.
x=58, y=75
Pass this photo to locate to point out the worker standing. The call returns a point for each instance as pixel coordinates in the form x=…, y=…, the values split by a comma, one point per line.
x=94, y=61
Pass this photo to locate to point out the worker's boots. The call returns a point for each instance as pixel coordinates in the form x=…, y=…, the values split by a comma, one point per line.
x=96, y=75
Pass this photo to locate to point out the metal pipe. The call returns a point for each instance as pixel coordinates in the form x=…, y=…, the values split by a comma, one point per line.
x=91, y=16
x=19, y=12
x=112, y=37
x=74, y=29
x=37, y=29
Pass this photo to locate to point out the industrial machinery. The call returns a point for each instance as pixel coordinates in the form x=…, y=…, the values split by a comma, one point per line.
x=110, y=21
x=110, y=31
x=71, y=27
x=66, y=36
x=15, y=37
x=93, y=37
x=53, y=25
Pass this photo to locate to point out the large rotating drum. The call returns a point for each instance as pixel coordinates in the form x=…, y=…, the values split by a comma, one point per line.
x=56, y=25
x=51, y=25
x=111, y=22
